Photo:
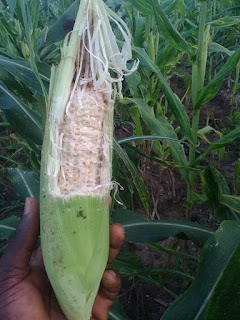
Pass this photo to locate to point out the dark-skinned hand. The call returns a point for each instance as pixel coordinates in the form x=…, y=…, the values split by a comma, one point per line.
x=25, y=291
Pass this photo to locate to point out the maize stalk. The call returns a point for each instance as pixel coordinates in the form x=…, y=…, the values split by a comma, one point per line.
x=77, y=155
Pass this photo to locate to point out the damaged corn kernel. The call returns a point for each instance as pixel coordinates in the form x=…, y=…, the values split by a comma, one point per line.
x=85, y=161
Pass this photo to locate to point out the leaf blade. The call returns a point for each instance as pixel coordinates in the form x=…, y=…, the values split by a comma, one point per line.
x=216, y=255
x=138, y=230
x=174, y=102
x=139, y=184
x=26, y=183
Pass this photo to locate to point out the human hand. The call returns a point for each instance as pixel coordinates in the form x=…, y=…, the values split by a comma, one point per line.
x=25, y=291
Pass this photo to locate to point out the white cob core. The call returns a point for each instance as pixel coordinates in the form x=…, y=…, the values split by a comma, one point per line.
x=84, y=159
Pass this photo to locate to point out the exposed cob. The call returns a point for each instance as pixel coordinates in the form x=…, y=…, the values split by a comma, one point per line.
x=77, y=155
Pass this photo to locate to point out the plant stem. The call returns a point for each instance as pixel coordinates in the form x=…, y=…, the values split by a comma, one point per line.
x=199, y=72
x=213, y=14
x=201, y=60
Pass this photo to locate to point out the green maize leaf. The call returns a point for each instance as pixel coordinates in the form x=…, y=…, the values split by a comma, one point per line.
x=138, y=230
x=225, y=22
x=135, y=114
x=130, y=262
x=209, y=92
x=214, y=185
x=213, y=173
x=224, y=303
x=172, y=6
x=125, y=216
x=139, y=33
x=169, y=32
x=115, y=5
x=221, y=143
x=137, y=179
x=12, y=5
x=8, y=54
x=129, y=265
x=8, y=227
x=23, y=71
x=7, y=29
x=150, y=138
x=206, y=130
x=9, y=160
x=182, y=9
x=226, y=140
x=50, y=54
x=232, y=202
x=57, y=33
x=174, y=102
x=29, y=28
x=137, y=151
x=35, y=13
x=216, y=47
x=24, y=120
x=216, y=255
x=235, y=8
x=26, y=183
x=133, y=81
x=45, y=5
x=143, y=6
x=199, y=64
x=164, y=128
x=176, y=254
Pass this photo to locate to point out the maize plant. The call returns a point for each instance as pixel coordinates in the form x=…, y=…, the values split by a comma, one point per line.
x=77, y=155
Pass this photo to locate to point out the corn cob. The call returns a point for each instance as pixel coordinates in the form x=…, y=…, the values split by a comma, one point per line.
x=77, y=156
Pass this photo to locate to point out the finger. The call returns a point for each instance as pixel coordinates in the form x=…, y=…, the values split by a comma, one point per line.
x=116, y=241
x=110, y=202
x=20, y=247
x=37, y=260
x=109, y=289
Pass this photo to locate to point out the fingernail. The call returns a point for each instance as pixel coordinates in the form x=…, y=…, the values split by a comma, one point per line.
x=27, y=206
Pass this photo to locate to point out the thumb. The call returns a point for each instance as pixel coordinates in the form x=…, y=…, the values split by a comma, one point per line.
x=21, y=245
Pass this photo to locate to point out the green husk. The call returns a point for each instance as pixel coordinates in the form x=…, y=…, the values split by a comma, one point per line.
x=75, y=242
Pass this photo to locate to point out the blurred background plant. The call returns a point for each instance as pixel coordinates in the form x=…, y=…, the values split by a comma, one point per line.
x=176, y=151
